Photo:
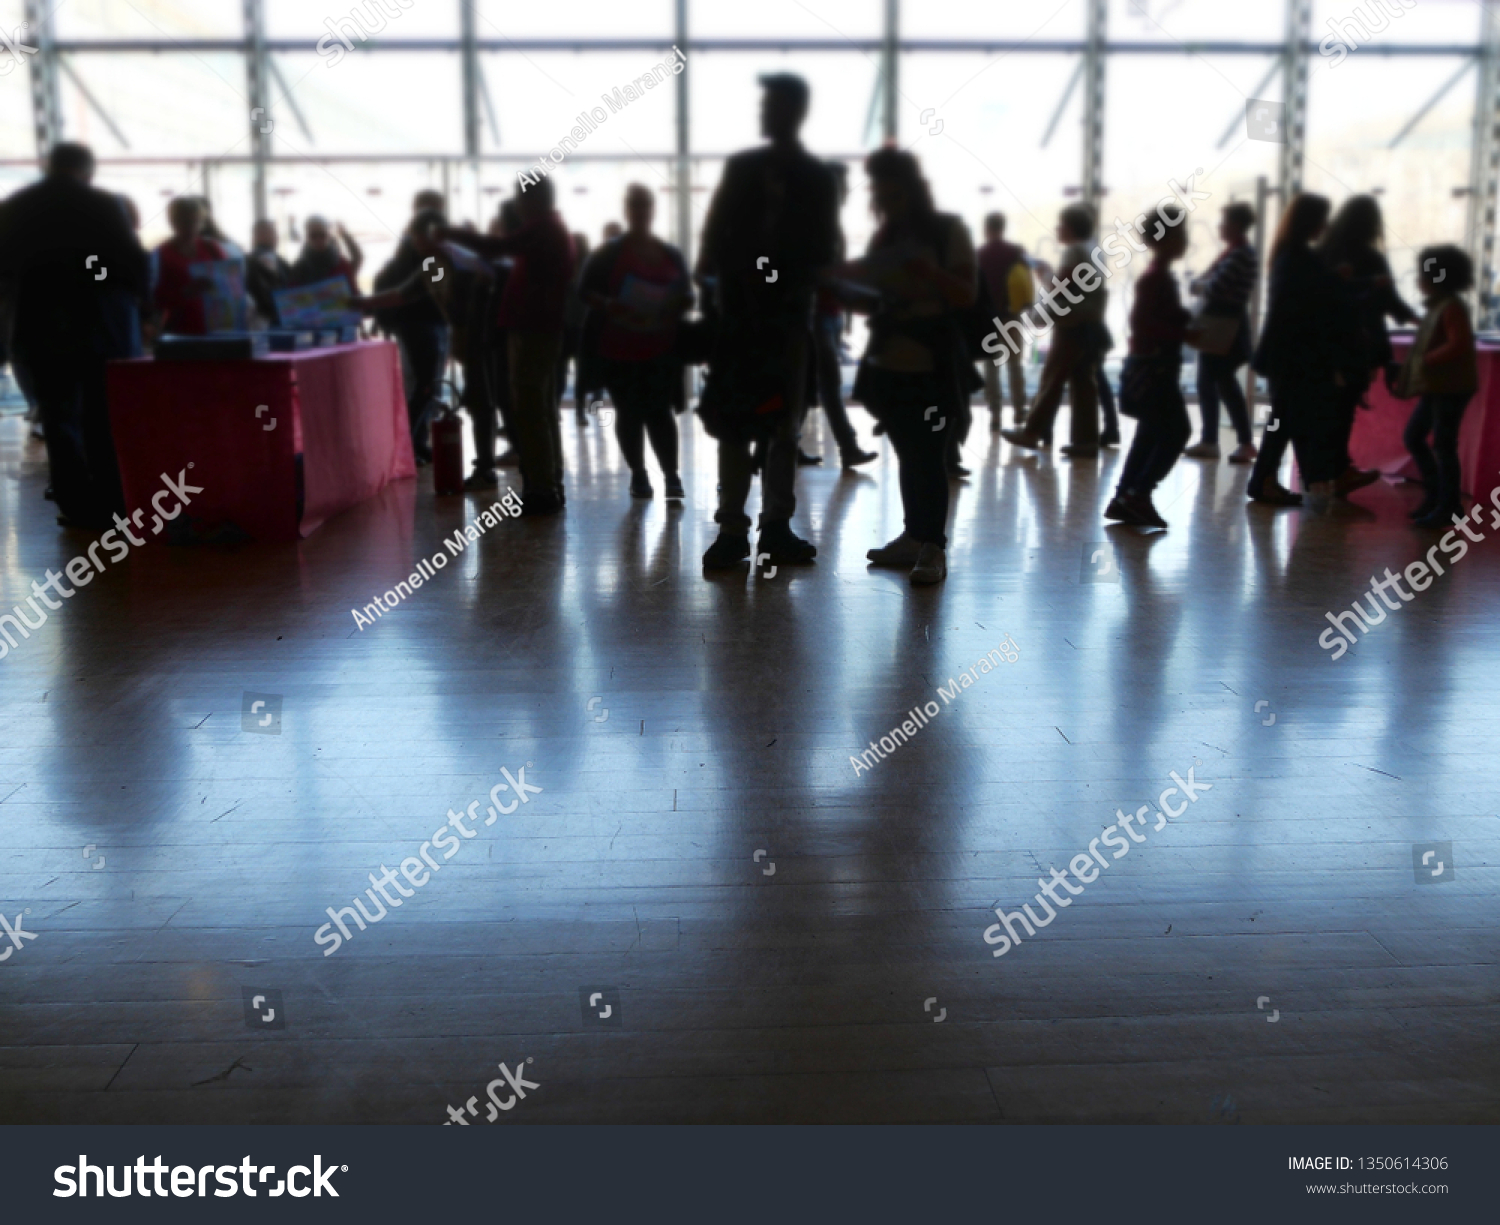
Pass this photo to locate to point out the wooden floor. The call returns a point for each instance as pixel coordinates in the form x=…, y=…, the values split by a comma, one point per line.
x=737, y=993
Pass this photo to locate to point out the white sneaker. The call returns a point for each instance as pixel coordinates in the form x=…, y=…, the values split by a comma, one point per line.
x=931, y=567
x=898, y=555
x=1204, y=450
x=1245, y=453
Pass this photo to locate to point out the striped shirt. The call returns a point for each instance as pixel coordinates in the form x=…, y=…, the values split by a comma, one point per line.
x=1225, y=287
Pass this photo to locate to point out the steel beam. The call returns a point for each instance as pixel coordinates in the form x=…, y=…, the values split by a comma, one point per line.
x=1093, y=105
x=258, y=92
x=682, y=168
x=46, y=107
x=1294, y=97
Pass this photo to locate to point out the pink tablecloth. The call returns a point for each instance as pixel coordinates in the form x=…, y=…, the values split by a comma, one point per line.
x=1376, y=440
x=336, y=416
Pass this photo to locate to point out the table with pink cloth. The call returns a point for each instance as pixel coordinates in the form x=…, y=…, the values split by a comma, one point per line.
x=1376, y=440
x=278, y=444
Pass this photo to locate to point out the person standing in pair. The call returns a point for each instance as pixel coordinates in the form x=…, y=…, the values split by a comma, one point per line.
x=772, y=226
x=1225, y=292
x=641, y=286
x=1442, y=369
x=1076, y=349
x=1149, y=386
x=914, y=372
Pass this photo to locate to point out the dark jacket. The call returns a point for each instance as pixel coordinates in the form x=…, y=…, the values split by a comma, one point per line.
x=1311, y=331
x=262, y=282
x=774, y=214
x=1372, y=303
x=48, y=232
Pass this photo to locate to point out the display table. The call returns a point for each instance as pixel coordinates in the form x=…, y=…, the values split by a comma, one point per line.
x=332, y=433
x=1376, y=440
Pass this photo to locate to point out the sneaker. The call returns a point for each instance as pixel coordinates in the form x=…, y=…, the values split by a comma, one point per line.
x=1110, y=438
x=508, y=460
x=804, y=460
x=784, y=546
x=640, y=485
x=485, y=478
x=931, y=567
x=675, y=492
x=1273, y=494
x=534, y=504
x=853, y=458
x=1354, y=478
x=1020, y=438
x=1423, y=509
x=1203, y=450
x=1117, y=509
x=727, y=552
x=1079, y=452
x=1245, y=453
x=1145, y=512
x=899, y=554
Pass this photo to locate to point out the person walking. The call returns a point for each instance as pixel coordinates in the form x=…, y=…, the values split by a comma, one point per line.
x=1150, y=387
x=1007, y=276
x=772, y=226
x=1309, y=330
x=641, y=287
x=1442, y=369
x=71, y=259
x=828, y=333
x=913, y=375
x=1225, y=294
x=1074, y=355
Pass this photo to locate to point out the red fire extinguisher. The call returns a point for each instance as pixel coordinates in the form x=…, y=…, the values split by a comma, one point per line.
x=447, y=452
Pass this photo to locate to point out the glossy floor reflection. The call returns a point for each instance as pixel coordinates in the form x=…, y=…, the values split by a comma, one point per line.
x=168, y=860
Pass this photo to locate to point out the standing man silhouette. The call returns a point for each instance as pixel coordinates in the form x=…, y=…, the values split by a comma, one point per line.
x=772, y=227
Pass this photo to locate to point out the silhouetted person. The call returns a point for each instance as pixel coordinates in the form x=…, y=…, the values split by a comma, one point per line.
x=772, y=225
x=915, y=370
x=828, y=332
x=1158, y=326
x=1352, y=248
x=1076, y=349
x=56, y=237
x=1225, y=291
x=640, y=285
x=1443, y=370
x=459, y=284
x=265, y=270
x=575, y=314
x=322, y=258
x=532, y=310
x=177, y=290
x=419, y=328
x=1308, y=333
x=1008, y=278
